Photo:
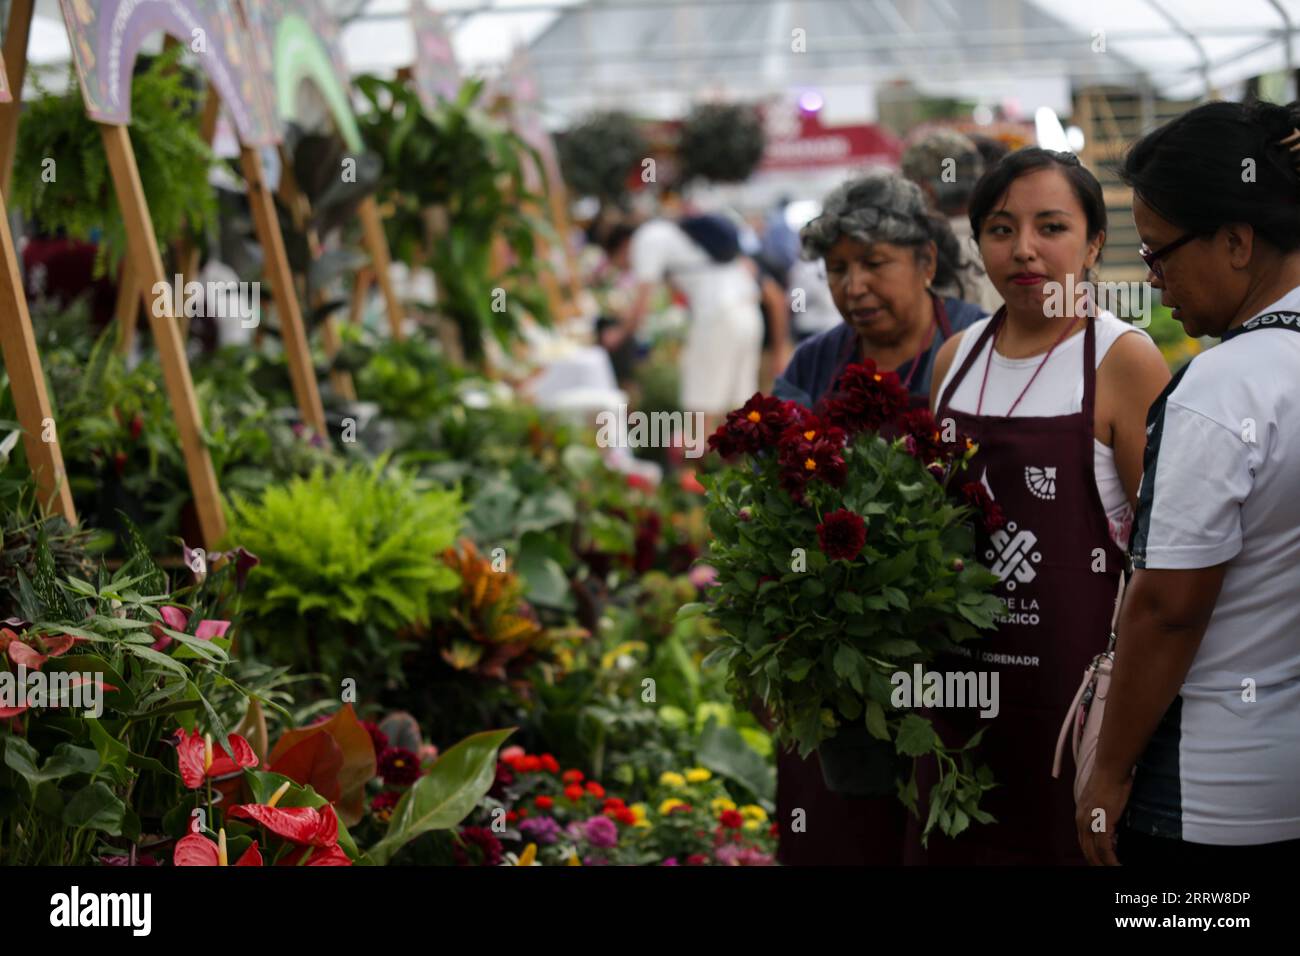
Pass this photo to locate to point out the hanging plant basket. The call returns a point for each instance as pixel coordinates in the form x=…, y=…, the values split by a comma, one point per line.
x=722, y=142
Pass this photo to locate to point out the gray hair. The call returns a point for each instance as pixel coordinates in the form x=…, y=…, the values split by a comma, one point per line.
x=880, y=206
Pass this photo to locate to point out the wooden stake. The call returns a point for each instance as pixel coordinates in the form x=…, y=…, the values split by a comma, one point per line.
x=147, y=266
x=27, y=383
x=360, y=288
x=128, y=306
x=15, y=56
x=276, y=267
x=372, y=227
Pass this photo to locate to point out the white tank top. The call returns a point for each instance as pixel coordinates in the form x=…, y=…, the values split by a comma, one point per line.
x=1058, y=390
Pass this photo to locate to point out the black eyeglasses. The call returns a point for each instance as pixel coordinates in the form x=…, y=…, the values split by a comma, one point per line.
x=1152, y=259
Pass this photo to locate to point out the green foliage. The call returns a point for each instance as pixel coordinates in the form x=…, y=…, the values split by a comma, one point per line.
x=722, y=142
x=600, y=153
x=349, y=558
x=461, y=161
x=170, y=152
x=444, y=796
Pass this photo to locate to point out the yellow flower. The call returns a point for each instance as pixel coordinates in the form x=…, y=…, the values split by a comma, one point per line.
x=697, y=775
x=752, y=811
x=752, y=825
x=639, y=810
x=670, y=779
x=666, y=807
x=720, y=804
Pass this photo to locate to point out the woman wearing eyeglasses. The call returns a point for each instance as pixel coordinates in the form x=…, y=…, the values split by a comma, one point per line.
x=1199, y=755
x=1055, y=394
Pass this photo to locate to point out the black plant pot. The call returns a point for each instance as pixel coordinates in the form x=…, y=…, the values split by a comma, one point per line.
x=856, y=764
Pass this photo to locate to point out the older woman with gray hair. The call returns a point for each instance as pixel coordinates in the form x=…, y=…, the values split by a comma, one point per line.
x=884, y=250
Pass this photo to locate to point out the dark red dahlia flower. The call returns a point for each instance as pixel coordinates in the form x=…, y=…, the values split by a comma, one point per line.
x=811, y=450
x=864, y=399
x=990, y=511
x=399, y=767
x=478, y=839
x=842, y=535
x=753, y=427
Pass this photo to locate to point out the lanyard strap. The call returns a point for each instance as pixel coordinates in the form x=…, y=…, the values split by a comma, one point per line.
x=1269, y=320
x=979, y=406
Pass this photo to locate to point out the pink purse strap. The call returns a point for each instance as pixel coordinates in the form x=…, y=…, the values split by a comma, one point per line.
x=1072, y=721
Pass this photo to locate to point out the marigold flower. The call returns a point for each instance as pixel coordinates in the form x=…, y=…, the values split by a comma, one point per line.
x=669, y=805
x=670, y=779
x=752, y=811
x=718, y=804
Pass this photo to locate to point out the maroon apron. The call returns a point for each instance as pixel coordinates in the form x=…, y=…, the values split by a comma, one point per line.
x=1057, y=618
x=841, y=830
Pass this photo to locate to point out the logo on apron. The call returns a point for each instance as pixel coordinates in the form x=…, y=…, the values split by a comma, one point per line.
x=1013, y=556
x=1041, y=482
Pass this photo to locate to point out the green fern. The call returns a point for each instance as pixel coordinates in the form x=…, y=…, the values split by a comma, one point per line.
x=356, y=549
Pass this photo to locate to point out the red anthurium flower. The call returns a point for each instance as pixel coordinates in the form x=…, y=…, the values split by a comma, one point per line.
x=307, y=826
x=198, y=850
x=197, y=762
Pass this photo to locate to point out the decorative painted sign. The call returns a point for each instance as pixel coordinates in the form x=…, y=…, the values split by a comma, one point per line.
x=295, y=42
x=435, y=69
x=106, y=37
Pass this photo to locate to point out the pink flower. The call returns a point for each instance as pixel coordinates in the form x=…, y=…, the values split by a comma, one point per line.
x=177, y=620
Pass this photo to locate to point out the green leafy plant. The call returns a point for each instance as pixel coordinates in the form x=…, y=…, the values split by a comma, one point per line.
x=348, y=559
x=600, y=153
x=58, y=138
x=722, y=142
x=468, y=169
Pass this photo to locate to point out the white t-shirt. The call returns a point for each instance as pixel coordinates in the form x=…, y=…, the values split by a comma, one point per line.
x=1225, y=487
x=1058, y=390
x=661, y=252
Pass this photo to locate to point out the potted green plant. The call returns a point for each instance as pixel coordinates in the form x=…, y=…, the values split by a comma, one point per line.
x=841, y=561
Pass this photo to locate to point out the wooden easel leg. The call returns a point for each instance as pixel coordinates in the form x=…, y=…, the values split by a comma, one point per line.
x=15, y=55
x=27, y=383
x=297, y=351
x=128, y=307
x=147, y=266
x=372, y=227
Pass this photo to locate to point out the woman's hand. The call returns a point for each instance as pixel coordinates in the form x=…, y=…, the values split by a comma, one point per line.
x=1097, y=817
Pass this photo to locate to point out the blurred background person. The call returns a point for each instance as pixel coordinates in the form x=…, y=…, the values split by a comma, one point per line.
x=946, y=165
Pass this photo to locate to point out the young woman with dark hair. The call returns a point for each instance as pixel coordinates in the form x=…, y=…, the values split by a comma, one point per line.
x=1055, y=394
x=1199, y=755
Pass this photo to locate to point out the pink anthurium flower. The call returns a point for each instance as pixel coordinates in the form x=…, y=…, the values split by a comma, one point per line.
x=197, y=850
x=178, y=620
x=199, y=759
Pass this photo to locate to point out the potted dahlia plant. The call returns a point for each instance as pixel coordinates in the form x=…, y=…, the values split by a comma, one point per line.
x=844, y=546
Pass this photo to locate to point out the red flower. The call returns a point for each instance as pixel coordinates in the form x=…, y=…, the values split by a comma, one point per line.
x=192, y=754
x=383, y=804
x=842, y=535
x=681, y=808
x=197, y=850
x=990, y=511
x=731, y=819
x=811, y=450
x=692, y=484
x=864, y=398
x=549, y=764
x=625, y=816
x=752, y=428
x=511, y=816
x=697, y=859
x=480, y=839
x=595, y=789
x=306, y=826
x=398, y=767
x=612, y=803
x=530, y=764
x=572, y=776
x=573, y=792
x=544, y=802
x=639, y=482
x=377, y=737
